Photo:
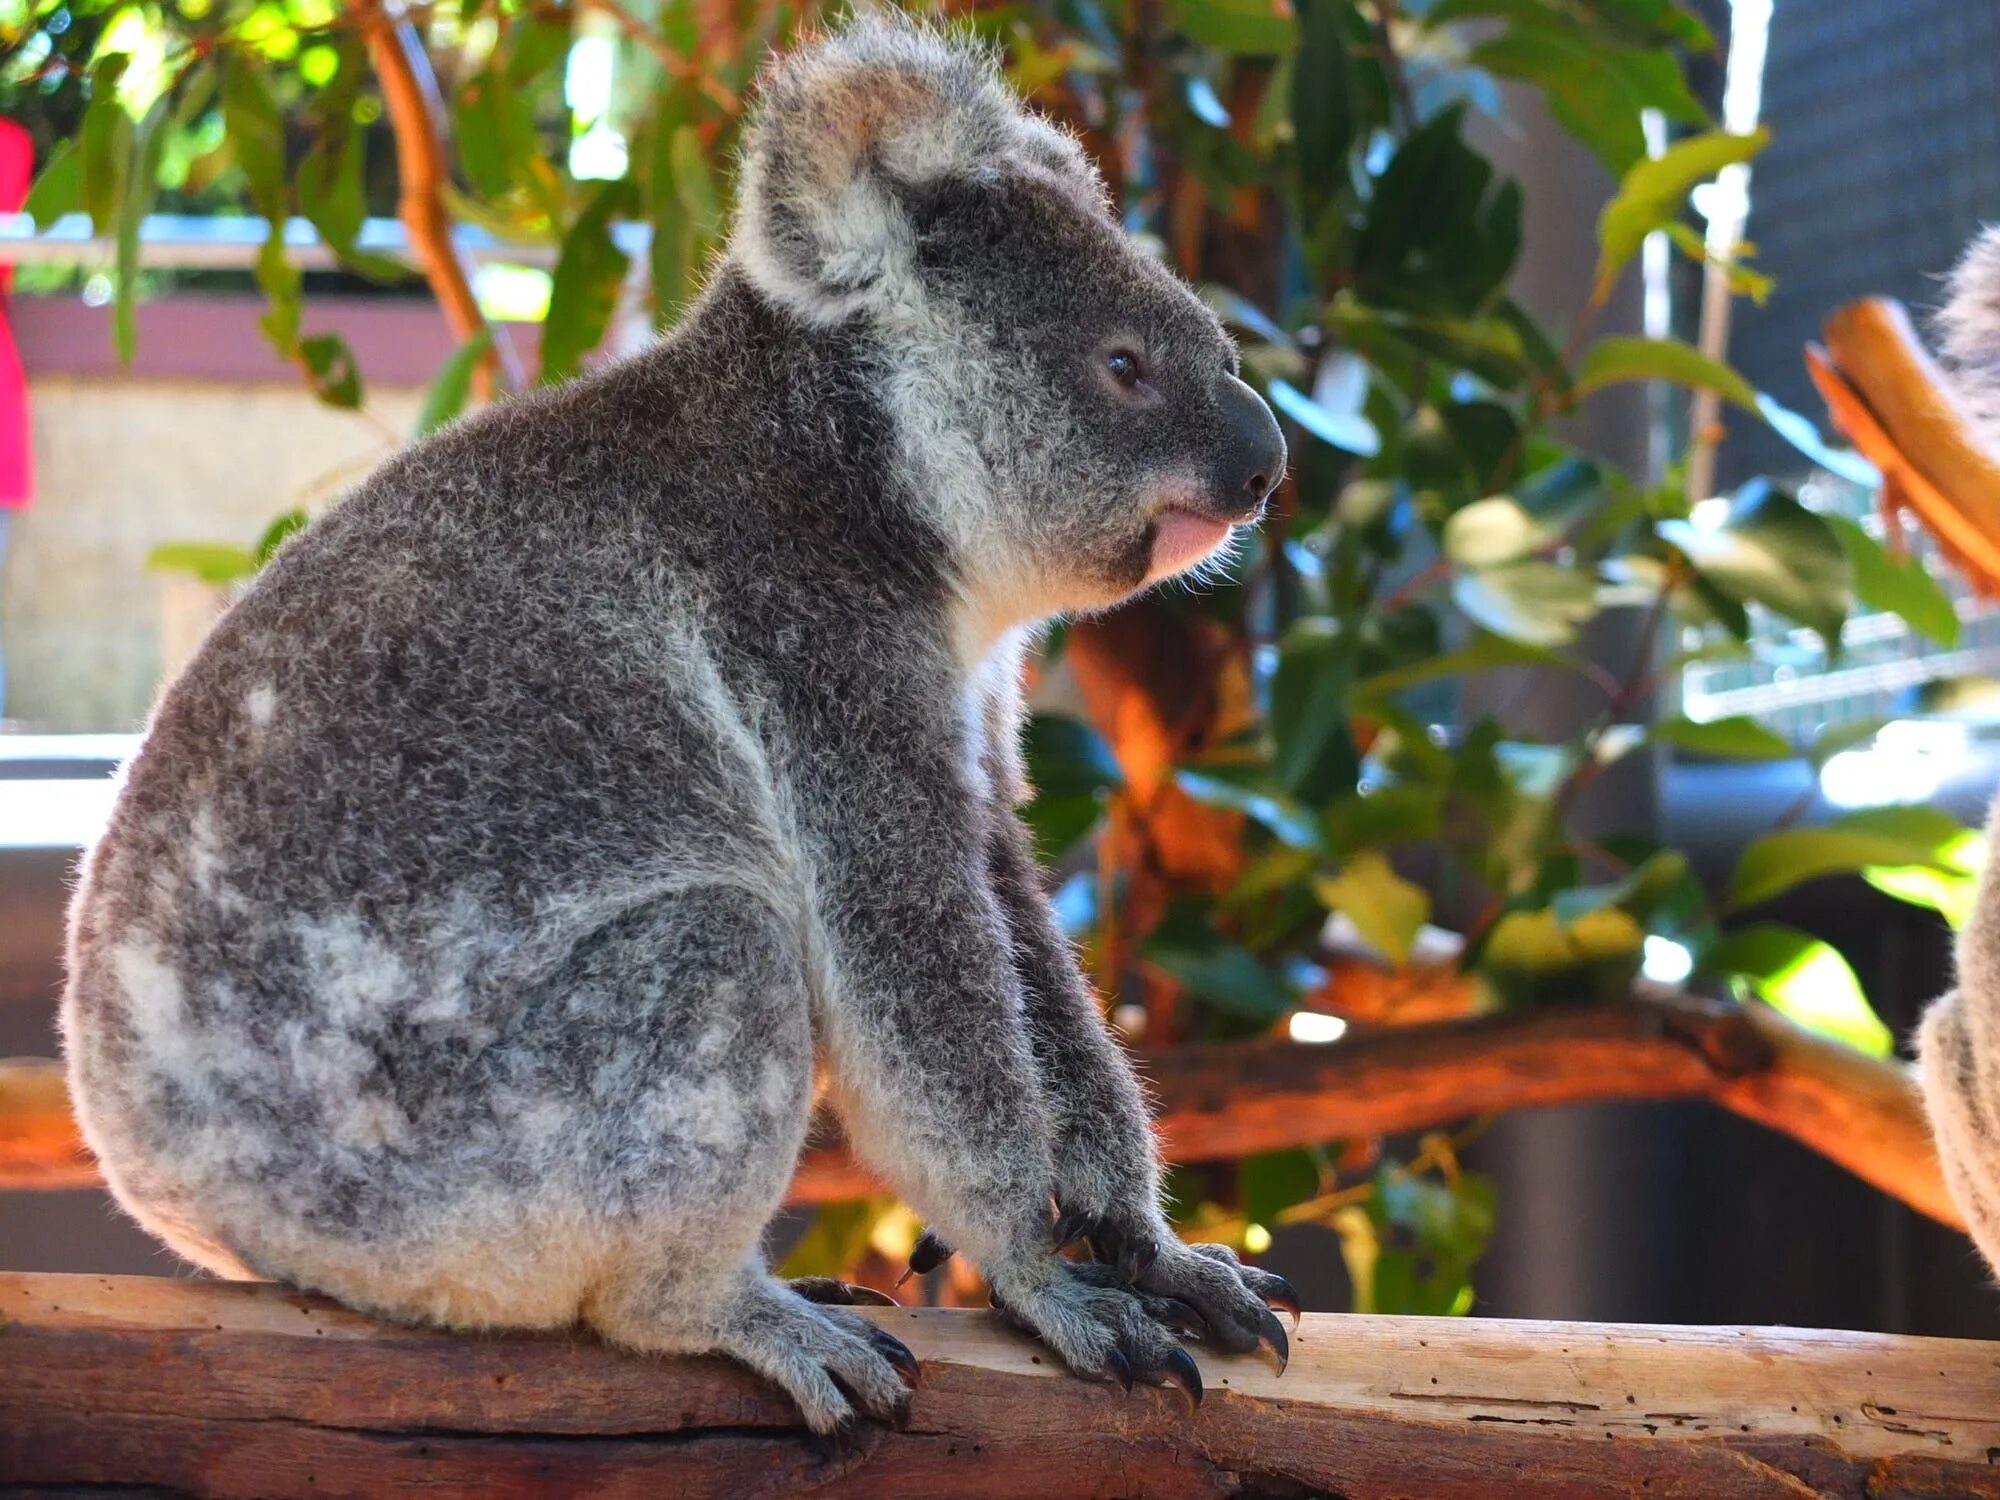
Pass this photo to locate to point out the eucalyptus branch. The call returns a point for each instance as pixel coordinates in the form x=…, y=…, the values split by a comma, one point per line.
x=676, y=66
x=416, y=119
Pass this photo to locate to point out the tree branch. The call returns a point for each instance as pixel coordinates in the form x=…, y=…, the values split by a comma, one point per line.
x=1221, y=1100
x=416, y=120
x=216, y=1389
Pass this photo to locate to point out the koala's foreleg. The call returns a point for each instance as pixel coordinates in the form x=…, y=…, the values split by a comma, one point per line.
x=929, y=1051
x=1106, y=1157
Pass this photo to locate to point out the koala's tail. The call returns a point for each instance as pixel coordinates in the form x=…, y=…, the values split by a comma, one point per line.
x=1959, y=1042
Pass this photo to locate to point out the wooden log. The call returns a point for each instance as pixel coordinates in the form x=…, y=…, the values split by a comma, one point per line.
x=1225, y=1100
x=226, y=1390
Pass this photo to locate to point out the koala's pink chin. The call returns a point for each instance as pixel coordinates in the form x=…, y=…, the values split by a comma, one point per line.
x=1181, y=539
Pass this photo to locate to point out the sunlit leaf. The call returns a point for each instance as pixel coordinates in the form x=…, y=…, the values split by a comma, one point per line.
x=1903, y=586
x=1774, y=552
x=1805, y=979
x=584, y=292
x=1654, y=192
x=1736, y=738
x=1888, y=836
x=1534, y=602
x=211, y=562
x=1385, y=908
x=1349, y=431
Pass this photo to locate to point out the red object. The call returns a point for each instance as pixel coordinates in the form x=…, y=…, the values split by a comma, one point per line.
x=17, y=458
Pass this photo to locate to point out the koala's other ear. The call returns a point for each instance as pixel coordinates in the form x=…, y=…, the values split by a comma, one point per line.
x=845, y=129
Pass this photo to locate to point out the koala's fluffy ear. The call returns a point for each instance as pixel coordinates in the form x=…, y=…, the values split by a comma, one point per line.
x=1971, y=325
x=845, y=128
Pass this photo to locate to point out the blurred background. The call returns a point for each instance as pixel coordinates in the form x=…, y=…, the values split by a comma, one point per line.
x=1577, y=662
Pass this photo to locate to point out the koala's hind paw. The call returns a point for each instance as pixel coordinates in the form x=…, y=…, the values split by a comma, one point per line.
x=1096, y=1324
x=832, y=1362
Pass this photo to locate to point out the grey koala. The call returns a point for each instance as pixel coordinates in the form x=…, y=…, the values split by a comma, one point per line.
x=474, y=912
x=1958, y=1045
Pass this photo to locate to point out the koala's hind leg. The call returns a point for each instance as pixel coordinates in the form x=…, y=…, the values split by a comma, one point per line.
x=688, y=1028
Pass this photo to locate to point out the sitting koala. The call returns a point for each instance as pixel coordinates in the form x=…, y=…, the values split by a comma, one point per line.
x=1959, y=1044
x=471, y=918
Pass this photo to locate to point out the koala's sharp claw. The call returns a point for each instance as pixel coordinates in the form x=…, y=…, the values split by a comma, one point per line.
x=901, y=1360
x=1117, y=1367
x=1273, y=1333
x=1071, y=1226
x=1135, y=1256
x=1278, y=1293
x=1181, y=1370
x=928, y=1254
x=867, y=1296
x=1183, y=1318
x=839, y=1444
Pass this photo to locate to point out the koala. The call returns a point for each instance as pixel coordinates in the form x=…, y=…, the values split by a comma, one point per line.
x=1958, y=1045
x=488, y=892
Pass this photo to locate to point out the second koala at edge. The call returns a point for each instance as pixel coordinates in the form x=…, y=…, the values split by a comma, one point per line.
x=467, y=929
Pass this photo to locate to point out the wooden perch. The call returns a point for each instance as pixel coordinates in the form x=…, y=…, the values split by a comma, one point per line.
x=1223, y=1100
x=213, y=1389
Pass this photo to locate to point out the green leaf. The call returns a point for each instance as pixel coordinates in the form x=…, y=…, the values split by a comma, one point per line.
x=105, y=146
x=1805, y=979
x=838, y=1235
x=1386, y=909
x=1323, y=127
x=1489, y=532
x=1314, y=754
x=1223, y=972
x=1538, y=957
x=1534, y=602
x=1639, y=893
x=1737, y=738
x=1064, y=755
x=255, y=130
x=276, y=533
x=1887, y=836
x=212, y=562
x=148, y=141
x=695, y=182
x=58, y=188
x=1348, y=431
x=1774, y=552
x=1440, y=237
x=1804, y=436
x=1835, y=738
x=331, y=370
x=1621, y=357
x=1952, y=890
x=1485, y=652
x=1250, y=28
x=1273, y=1181
x=1902, y=586
x=584, y=292
x=1598, y=94
x=1071, y=768
x=1287, y=819
x=1655, y=190
x=451, y=388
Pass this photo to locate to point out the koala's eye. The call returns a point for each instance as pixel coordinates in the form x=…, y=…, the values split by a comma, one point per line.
x=1126, y=367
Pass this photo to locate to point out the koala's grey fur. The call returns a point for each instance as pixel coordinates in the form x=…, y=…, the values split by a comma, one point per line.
x=471, y=918
x=1959, y=1043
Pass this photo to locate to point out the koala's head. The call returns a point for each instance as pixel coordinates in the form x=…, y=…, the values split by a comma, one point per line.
x=1067, y=409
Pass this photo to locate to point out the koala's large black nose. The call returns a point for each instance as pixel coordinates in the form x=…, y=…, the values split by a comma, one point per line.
x=1253, y=457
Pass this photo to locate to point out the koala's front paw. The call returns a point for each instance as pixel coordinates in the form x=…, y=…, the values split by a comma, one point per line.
x=1096, y=1323
x=1233, y=1299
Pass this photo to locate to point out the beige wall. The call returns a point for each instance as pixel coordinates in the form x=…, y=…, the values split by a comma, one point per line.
x=125, y=464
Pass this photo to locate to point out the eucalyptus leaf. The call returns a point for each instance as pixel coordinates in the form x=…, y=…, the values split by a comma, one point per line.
x=1805, y=979
x=1622, y=357
x=1654, y=192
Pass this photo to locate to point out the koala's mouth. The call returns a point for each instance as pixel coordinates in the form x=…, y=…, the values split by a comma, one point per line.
x=1183, y=537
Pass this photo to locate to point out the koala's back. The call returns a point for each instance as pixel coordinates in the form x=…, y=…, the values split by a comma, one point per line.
x=361, y=935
